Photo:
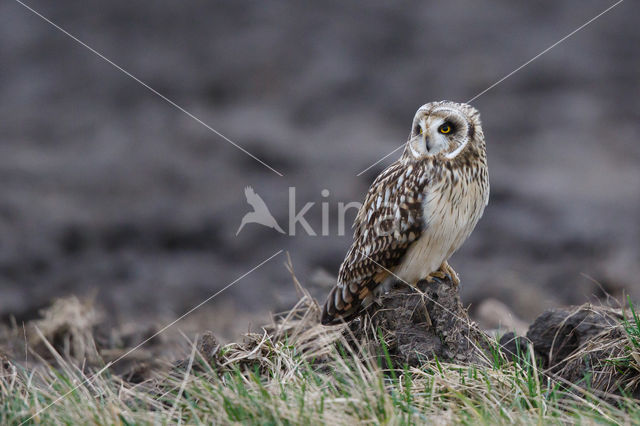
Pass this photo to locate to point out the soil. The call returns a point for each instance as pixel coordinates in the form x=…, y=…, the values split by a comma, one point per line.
x=109, y=192
x=421, y=324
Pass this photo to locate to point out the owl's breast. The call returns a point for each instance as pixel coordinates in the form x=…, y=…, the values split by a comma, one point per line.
x=451, y=209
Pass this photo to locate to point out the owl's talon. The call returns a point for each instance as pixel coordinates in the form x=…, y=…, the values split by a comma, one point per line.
x=440, y=275
x=453, y=275
x=433, y=279
x=444, y=273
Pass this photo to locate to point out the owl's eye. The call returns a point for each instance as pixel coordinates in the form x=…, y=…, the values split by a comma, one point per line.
x=445, y=128
x=418, y=130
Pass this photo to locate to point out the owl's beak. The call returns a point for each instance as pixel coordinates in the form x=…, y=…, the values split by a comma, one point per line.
x=427, y=145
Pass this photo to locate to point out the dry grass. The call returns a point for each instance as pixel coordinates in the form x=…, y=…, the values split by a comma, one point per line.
x=607, y=363
x=297, y=371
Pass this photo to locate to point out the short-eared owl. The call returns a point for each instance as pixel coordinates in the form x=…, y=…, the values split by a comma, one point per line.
x=418, y=211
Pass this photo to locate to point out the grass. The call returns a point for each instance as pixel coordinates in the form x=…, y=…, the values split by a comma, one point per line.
x=298, y=372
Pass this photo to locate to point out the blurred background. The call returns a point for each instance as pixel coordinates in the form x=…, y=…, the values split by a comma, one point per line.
x=107, y=191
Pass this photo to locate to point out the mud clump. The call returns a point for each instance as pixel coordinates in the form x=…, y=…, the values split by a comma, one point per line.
x=421, y=324
x=591, y=346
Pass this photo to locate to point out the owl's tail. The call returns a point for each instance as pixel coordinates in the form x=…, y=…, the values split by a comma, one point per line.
x=342, y=305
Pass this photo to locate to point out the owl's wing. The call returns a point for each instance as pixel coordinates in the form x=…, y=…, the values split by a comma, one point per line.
x=388, y=222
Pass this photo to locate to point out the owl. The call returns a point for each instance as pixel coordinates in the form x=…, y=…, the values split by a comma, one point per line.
x=418, y=211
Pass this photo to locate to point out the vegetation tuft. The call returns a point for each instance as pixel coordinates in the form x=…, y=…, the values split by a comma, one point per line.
x=299, y=372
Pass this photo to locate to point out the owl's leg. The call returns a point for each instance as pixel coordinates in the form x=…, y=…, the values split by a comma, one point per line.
x=445, y=272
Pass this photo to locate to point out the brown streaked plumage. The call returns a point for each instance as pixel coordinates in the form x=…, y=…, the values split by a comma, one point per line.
x=418, y=211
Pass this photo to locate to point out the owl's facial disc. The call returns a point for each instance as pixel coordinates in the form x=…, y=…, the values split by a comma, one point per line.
x=443, y=131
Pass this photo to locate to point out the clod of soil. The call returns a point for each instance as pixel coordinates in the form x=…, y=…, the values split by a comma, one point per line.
x=419, y=324
x=6, y=367
x=591, y=346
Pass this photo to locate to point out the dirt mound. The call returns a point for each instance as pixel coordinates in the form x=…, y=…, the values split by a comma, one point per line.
x=420, y=324
x=591, y=346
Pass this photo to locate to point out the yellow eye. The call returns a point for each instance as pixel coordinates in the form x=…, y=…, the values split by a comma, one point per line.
x=445, y=128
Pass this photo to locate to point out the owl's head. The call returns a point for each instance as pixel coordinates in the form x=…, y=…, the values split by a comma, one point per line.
x=443, y=129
